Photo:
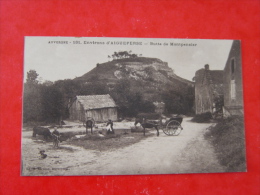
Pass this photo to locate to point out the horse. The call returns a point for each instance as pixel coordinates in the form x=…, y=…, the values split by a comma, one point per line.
x=145, y=124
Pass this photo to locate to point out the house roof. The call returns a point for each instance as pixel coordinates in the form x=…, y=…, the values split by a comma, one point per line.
x=90, y=102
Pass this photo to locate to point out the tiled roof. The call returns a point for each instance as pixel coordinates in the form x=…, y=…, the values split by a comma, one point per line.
x=90, y=102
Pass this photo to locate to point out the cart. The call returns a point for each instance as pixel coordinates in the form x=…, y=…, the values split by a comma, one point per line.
x=171, y=126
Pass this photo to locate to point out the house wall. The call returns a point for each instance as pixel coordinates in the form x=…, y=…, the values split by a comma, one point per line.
x=77, y=111
x=102, y=114
x=233, y=79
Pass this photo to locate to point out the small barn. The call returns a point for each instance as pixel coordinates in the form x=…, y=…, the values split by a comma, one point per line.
x=99, y=107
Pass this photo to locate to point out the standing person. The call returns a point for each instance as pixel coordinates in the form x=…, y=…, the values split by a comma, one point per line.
x=56, y=132
x=56, y=137
x=89, y=124
x=110, y=127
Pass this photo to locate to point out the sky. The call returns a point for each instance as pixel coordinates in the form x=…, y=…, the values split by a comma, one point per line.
x=58, y=58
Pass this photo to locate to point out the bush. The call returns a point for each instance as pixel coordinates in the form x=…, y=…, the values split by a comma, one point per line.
x=202, y=118
x=228, y=140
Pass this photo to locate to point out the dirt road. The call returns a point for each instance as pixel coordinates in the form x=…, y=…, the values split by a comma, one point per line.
x=186, y=153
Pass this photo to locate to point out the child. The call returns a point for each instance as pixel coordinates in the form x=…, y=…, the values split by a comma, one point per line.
x=56, y=132
x=56, y=137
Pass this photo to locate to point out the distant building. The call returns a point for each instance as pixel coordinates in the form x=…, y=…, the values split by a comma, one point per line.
x=208, y=90
x=233, y=92
x=98, y=107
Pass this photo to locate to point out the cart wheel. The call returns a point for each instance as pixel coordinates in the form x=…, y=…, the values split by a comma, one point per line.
x=173, y=128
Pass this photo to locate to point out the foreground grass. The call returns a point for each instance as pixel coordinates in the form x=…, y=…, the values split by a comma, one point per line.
x=228, y=140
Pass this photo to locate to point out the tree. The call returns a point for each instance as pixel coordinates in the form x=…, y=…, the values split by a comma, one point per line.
x=124, y=54
x=47, y=83
x=31, y=98
x=32, y=77
x=120, y=54
x=31, y=103
x=129, y=101
x=116, y=55
x=93, y=88
x=134, y=56
x=173, y=102
x=68, y=89
x=52, y=104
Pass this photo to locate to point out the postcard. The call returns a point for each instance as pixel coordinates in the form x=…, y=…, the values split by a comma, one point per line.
x=131, y=106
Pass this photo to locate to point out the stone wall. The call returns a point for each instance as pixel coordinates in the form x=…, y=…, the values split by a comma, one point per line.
x=206, y=91
x=203, y=101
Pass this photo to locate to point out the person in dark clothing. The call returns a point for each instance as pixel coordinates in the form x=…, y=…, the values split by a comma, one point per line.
x=89, y=124
x=56, y=137
x=110, y=128
x=56, y=132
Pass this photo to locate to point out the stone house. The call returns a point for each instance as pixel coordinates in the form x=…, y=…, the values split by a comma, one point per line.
x=208, y=90
x=233, y=92
x=99, y=107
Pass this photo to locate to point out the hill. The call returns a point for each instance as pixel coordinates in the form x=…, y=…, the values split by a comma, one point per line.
x=139, y=68
x=150, y=77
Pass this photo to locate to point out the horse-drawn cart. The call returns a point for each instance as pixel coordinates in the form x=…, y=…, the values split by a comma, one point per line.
x=170, y=125
x=173, y=126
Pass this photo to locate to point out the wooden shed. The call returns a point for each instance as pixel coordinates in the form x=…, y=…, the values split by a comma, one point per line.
x=99, y=107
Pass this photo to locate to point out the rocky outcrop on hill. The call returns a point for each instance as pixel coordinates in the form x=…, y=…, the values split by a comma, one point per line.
x=139, y=69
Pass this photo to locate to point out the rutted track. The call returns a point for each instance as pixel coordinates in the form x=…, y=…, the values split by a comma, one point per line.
x=186, y=153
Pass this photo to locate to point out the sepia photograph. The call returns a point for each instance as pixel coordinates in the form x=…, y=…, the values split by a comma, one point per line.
x=131, y=106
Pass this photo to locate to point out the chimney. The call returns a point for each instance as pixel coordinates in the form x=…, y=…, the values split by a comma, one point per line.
x=206, y=67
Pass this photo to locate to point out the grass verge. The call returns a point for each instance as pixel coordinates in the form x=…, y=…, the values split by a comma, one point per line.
x=228, y=140
x=108, y=142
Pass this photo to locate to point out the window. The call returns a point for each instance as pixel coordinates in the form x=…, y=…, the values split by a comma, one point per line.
x=233, y=90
